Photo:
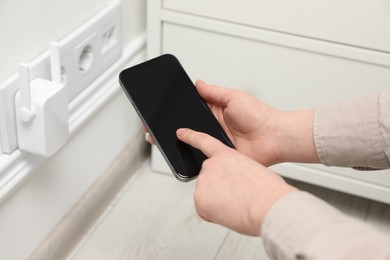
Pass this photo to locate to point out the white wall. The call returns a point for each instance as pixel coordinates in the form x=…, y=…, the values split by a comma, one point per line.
x=27, y=27
x=29, y=214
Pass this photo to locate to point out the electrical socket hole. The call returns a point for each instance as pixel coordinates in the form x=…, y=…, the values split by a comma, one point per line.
x=86, y=58
x=108, y=39
x=64, y=78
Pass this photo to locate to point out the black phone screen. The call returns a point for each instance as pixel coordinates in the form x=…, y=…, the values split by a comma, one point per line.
x=166, y=100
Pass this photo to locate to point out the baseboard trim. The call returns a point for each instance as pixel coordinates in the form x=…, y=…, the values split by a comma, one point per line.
x=334, y=181
x=71, y=229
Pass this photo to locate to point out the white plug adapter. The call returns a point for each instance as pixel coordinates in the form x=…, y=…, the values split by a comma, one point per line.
x=43, y=128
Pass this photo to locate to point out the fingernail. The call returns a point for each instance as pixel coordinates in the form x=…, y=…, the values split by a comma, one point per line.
x=199, y=81
x=180, y=131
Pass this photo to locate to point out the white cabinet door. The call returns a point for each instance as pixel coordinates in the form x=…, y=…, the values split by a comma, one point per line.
x=363, y=23
x=292, y=55
x=286, y=78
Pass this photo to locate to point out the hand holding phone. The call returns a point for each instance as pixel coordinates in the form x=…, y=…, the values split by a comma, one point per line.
x=166, y=99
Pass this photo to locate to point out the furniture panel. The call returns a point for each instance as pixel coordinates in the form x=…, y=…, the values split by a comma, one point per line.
x=359, y=23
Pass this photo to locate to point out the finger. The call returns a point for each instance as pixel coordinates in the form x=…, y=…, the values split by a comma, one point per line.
x=214, y=94
x=150, y=139
x=143, y=127
x=204, y=142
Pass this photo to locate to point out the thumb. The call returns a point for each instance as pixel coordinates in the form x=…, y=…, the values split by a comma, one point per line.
x=214, y=94
x=204, y=142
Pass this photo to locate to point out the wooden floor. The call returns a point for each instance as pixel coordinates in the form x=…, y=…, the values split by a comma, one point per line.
x=153, y=217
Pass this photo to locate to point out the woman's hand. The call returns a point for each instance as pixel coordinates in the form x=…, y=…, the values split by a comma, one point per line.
x=233, y=190
x=259, y=131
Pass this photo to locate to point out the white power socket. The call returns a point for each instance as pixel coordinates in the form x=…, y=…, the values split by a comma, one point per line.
x=83, y=56
x=89, y=50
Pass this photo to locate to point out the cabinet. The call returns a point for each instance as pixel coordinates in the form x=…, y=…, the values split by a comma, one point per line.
x=291, y=55
x=361, y=23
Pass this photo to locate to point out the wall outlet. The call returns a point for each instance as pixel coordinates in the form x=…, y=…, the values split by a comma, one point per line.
x=84, y=54
x=90, y=49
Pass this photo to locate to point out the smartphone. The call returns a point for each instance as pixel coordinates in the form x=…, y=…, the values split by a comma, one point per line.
x=166, y=99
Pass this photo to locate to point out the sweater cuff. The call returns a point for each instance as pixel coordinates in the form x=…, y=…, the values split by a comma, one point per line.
x=348, y=134
x=301, y=226
x=291, y=223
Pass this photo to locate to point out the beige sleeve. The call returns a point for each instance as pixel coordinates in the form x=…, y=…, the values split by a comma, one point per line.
x=300, y=226
x=355, y=133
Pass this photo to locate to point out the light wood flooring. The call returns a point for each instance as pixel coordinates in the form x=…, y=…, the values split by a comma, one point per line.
x=153, y=217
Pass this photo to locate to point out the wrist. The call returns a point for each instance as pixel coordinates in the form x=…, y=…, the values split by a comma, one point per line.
x=296, y=138
x=264, y=203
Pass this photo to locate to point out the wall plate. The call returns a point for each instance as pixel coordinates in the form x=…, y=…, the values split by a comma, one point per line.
x=90, y=49
x=84, y=55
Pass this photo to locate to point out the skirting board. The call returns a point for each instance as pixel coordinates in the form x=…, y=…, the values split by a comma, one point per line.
x=96, y=199
x=337, y=182
x=309, y=175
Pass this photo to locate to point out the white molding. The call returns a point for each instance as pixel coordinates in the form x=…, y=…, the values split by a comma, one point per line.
x=16, y=167
x=277, y=38
x=1, y=145
x=95, y=201
x=307, y=174
x=334, y=181
x=153, y=28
